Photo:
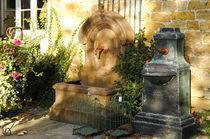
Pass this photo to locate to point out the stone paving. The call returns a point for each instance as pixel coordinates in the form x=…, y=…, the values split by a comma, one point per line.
x=38, y=126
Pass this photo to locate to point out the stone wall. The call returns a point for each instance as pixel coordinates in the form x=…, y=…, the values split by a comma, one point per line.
x=191, y=16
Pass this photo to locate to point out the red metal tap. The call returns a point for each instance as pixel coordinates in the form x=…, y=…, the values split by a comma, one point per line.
x=163, y=51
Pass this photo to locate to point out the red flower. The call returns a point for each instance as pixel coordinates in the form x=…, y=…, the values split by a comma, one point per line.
x=15, y=76
x=17, y=42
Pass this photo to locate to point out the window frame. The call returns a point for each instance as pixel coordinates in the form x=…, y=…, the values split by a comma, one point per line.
x=33, y=13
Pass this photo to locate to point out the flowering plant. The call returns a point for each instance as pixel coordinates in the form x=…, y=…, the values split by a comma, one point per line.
x=12, y=66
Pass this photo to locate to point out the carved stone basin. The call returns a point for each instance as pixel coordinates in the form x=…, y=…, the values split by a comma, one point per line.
x=159, y=80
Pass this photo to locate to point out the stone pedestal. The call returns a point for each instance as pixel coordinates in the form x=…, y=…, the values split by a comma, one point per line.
x=166, y=90
x=67, y=95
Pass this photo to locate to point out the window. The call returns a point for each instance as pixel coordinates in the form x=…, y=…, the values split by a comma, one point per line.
x=7, y=15
x=18, y=11
x=27, y=10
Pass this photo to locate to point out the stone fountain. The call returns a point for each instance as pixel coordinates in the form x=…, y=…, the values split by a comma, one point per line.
x=103, y=35
x=166, y=90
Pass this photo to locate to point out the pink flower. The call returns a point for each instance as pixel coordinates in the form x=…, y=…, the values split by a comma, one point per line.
x=17, y=42
x=10, y=53
x=0, y=69
x=15, y=76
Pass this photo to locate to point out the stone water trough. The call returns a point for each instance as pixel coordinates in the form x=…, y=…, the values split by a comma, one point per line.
x=103, y=35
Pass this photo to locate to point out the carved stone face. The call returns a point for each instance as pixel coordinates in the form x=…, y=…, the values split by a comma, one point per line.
x=103, y=35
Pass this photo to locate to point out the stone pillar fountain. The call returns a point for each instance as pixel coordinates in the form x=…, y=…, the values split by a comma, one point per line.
x=166, y=90
x=103, y=35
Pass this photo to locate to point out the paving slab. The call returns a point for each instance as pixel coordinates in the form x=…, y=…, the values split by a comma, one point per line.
x=39, y=126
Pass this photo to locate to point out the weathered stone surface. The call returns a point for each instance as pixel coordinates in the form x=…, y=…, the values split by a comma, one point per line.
x=151, y=28
x=161, y=17
x=203, y=15
x=199, y=50
x=154, y=6
x=196, y=5
x=181, y=5
x=178, y=24
x=74, y=6
x=169, y=6
x=104, y=33
x=166, y=83
x=207, y=93
x=206, y=38
x=193, y=25
x=193, y=36
x=200, y=62
x=67, y=95
x=208, y=4
x=200, y=103
x=197, y=92
x=183, y=16
x=205, y=26
x=188, y=50
x=83, y=14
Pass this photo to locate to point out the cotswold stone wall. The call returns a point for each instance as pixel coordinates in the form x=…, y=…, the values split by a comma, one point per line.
x=191, y=16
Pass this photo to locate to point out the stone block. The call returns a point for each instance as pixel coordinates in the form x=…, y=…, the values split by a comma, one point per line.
x=188, y=50
x=74, y=6
x=196, y=5
x=208, y=4
x=193, y=36
x=68, y=95
x=207, y=93
x=183, y=16
x=145, y=17
x=207, y=50
x=200, y=62
x=203, y=15
x=154, y=6
x=181, y=5
x=199, y=50
x=197, y=92
x=68, y=14
x=200, y=103
x=169, y=6
x=206, y=38
x=82, y=14
x=200, y=81
x=151, y=27
x=193, y=25
x=179, y=24
x=160, y=17
x=205, y=26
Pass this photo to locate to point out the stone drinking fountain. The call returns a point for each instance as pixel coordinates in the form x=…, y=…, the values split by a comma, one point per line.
x=166, y=90
x=103, y=34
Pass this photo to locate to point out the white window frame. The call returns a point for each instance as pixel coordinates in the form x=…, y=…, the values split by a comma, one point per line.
x=33, y=13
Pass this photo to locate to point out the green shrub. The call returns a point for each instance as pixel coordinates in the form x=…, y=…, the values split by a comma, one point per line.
x=129, y=68
x=51, y=67
x=202, y=119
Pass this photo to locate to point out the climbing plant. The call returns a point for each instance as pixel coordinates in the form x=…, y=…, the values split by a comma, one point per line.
x=130, y=65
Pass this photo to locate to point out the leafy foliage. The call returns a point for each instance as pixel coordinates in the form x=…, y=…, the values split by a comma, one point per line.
x=14, y=64
x=129, y=68
x=203, y=121
x=52, y=66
